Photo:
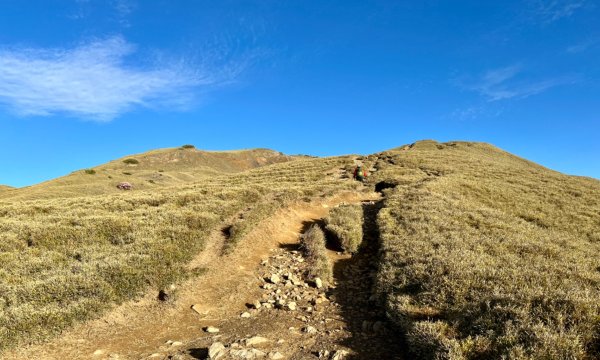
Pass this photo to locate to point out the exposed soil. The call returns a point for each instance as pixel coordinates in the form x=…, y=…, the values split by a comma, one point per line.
x=341, y=320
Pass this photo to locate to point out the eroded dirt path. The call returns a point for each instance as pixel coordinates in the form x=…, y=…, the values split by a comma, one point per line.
x=147, y=328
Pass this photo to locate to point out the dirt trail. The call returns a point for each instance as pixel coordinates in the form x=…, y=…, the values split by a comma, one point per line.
x=139, y=329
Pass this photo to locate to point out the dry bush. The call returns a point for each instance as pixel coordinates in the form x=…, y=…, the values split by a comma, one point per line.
x=491, y=252
x=345, y=223
x=313, y=243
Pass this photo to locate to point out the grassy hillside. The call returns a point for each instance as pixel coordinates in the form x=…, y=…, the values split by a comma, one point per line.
x=486, y=255
x=64, y=260
x=151, y=170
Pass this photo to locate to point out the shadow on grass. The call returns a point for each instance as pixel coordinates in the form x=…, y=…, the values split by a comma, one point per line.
x=355, y=279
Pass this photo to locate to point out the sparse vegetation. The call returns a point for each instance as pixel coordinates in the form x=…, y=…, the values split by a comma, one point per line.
x=90, y=171
x=131, y=161
x=489, y=256
x=127, y=173
x=188, y=146
x=313, y=243
x=345, y=224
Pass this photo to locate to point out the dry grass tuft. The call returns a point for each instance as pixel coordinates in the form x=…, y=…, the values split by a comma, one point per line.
x=313, y=243
x=345, y=223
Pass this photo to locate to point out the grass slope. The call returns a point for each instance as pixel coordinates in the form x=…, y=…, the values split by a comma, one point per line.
x=150, y=170
x=488, y=256
x=65, y=260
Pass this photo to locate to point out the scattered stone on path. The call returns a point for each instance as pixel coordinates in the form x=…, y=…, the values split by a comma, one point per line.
x=198, y=309
x=211, y=329
x=318, y=283
x=245, y=314
x=339, y=355
x=257, y=304
x=247, y=353
x=292, y=306
x=275, y=355
x=216, y=351
x=256, y=340
x=310, y=330
x=98, y=352
x=275, y=279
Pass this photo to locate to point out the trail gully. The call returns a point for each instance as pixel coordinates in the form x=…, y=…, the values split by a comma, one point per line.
x=256, y=317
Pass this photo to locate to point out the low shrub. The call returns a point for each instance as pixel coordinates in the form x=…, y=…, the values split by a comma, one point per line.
x=131, y=161
x=188, y=146
x=345, y=224
x=90, y=171
x=313, y=244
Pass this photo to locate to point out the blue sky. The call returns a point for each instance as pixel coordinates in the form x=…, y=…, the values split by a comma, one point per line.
x=83, y=82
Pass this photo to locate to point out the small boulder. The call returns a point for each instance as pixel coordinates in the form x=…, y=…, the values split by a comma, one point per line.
x=211, y=329
x=256, y=340
x=216, y=351
x=318, y=283
x=339, y=355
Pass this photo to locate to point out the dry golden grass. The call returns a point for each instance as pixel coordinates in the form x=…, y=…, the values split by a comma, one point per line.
x=313, y=243
x=345, y=223
x=65, y=259
x=489, y=256
x=148, y=171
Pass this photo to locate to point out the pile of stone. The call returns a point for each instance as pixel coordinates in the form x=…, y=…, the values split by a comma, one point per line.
x=249, y=348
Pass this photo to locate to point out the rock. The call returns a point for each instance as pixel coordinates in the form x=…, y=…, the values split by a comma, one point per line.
x=257, y=304
x=155, y=355
x=318, y=283
x=256, y=340
x=176, y=343
x=211, y=329
x=324, y=354
x=216, y=351
x=247, y=353
x=98, y=352
x=275, y=355
x=245, y=314
x=291, y=306
x=339, y=355
x=275, y=279
x=366, y=326
x=198, y=309
x=310, y=330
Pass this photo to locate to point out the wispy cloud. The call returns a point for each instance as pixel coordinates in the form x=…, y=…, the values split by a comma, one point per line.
x=583, y=46
x=476, y=112
x=549, y=11
x=94, y=81
x=511, y=82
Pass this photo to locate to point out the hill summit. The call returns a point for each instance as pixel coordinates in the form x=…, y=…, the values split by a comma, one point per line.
x=150, y=170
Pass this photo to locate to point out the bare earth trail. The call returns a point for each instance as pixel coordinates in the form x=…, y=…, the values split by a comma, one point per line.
x=145, y=328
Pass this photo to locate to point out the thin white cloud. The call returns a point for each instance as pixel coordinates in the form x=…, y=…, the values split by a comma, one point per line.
x=582, y=46
x=549, y=11
x=93, y=81
x=510, y=82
